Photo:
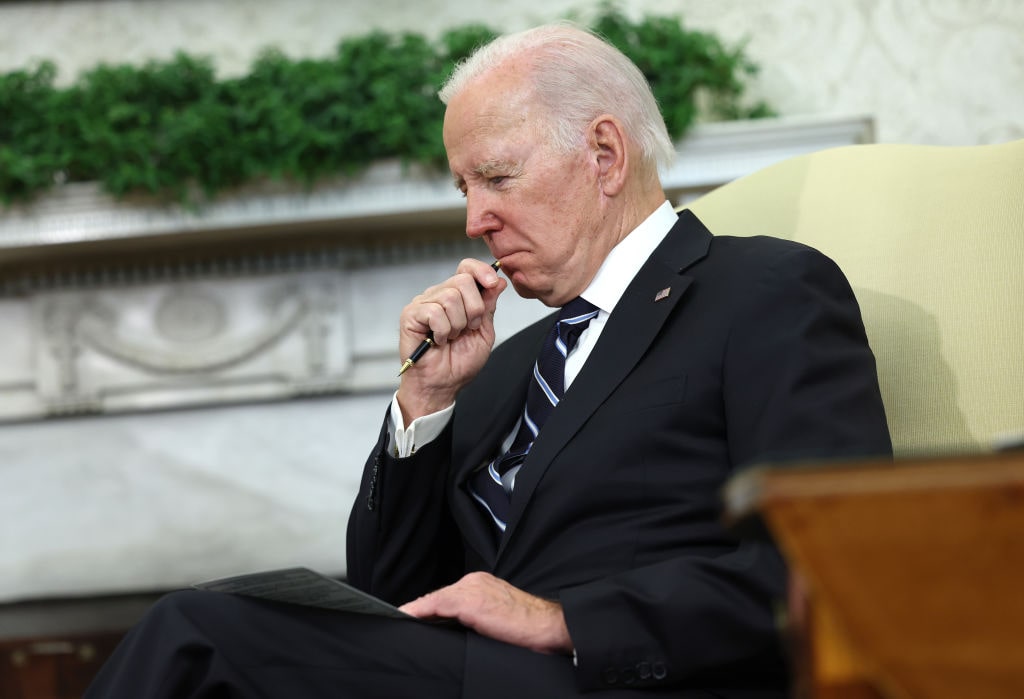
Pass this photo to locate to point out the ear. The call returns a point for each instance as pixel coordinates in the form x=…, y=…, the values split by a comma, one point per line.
x=608, y=148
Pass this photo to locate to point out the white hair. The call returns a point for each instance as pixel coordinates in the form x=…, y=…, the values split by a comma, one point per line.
x=577, y=76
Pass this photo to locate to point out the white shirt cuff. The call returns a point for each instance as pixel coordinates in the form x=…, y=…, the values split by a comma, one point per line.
x=423, y=430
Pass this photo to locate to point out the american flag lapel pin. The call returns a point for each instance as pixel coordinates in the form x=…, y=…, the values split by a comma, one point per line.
x=663, y=294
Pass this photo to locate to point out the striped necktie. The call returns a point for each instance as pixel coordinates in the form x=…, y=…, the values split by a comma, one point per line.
x=492, y=486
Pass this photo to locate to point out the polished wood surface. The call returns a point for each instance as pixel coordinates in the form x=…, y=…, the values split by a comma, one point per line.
x=59, y=667
x=52, y=648
x=908, y=576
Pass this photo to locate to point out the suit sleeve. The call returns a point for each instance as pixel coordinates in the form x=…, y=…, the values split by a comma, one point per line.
x=798, y=382
x=401, y=540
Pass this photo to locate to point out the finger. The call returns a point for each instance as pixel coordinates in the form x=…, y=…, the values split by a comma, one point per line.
x=469, y=592
x=440, y=311
x=433, y=605
x=488, y=283
x=421, y=318
x=419, y=608
x=451, y=308
x=466, y=300
x=484, y=275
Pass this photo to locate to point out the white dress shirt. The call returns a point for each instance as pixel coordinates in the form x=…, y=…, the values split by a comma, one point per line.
x=615, y=274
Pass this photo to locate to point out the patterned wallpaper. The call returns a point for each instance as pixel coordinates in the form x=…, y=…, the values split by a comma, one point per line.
x=930, y=71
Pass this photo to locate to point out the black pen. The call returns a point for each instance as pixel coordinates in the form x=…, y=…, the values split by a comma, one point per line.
x=428, y=342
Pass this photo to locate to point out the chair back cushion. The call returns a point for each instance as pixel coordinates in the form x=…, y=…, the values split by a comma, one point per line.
x=932, y=241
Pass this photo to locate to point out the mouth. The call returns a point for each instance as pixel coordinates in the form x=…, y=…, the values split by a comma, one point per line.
x=503, y=255
x=506, y=264
x=500, y=259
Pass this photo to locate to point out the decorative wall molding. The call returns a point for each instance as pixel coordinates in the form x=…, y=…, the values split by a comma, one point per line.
x=171, y=345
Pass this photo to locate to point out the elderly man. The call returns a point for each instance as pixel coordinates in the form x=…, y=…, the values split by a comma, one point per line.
x=558, y=496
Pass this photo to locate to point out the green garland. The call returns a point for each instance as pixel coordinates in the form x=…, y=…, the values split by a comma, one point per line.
x=172, y=130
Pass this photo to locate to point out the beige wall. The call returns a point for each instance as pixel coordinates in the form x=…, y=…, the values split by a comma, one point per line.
x=930, y=71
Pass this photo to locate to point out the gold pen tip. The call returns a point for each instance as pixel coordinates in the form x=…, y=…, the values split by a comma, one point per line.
x=405, y=366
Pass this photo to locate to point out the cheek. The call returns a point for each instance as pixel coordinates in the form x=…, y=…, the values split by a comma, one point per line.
x=556, y=220
x=545, y=222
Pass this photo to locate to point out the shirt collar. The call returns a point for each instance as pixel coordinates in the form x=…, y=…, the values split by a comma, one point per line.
x=625, y=259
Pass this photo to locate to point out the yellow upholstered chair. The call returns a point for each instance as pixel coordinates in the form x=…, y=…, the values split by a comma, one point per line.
x=932, y=240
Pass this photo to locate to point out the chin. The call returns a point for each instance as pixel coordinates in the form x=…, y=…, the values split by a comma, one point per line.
x=523, y=290
x=529, y=292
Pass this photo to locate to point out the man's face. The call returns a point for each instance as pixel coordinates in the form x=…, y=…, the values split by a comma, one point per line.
x=537, y=209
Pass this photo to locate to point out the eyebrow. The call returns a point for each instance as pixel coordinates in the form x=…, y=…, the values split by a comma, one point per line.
x=490, y=168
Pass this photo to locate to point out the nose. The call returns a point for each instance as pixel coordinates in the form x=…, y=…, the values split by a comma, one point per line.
x=480, y=216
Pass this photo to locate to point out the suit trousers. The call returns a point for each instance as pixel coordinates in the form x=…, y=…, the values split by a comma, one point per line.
x=197, y=644
x=205, y=644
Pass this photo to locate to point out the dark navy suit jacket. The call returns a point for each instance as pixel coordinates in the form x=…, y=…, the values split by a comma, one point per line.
x=757, y=354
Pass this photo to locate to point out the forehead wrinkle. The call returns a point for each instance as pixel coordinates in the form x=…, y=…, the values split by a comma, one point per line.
x=488, y=122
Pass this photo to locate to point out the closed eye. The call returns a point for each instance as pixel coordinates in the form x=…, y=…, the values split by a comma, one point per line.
x=497, y=181
x=497, y=173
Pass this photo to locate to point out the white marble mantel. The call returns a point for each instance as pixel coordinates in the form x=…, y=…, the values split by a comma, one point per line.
x=157, y=429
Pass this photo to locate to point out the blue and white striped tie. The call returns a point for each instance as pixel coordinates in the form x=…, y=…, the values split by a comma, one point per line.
x=492, y=486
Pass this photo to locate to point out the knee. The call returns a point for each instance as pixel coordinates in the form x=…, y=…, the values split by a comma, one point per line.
x=193, y=618
x=180, y=603
x=183, y=608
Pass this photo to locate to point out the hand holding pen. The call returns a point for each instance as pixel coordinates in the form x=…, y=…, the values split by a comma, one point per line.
x=428, y=341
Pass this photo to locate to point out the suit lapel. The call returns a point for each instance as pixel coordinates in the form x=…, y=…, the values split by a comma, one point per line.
x=630, y=330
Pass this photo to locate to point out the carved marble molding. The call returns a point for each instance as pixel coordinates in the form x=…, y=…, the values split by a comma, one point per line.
x=172, y=344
